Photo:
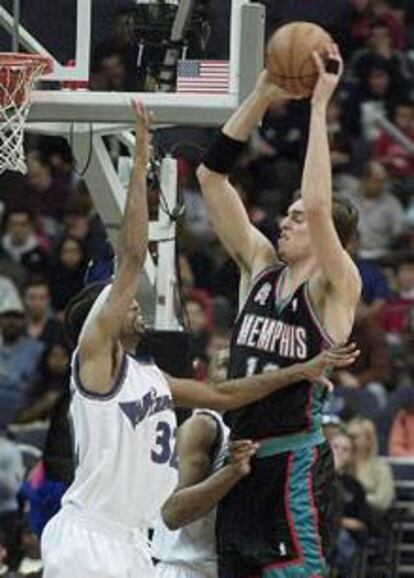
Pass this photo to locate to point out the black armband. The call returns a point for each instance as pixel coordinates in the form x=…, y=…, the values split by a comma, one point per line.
x=224, y=154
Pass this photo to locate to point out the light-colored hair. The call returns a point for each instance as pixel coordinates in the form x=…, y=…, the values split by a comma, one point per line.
x=366, y=427
x=350, y=468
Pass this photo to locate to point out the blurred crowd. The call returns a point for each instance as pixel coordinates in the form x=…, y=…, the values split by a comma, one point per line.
x=50, y=232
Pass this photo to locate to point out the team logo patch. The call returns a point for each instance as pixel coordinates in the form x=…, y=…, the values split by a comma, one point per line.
x=263, y=294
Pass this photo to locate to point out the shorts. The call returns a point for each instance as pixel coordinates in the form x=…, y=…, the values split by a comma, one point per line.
x=74, y=546
x=277, y=522
x=180, y=570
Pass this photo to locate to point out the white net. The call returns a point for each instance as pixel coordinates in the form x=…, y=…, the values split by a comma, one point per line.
x=18, y=74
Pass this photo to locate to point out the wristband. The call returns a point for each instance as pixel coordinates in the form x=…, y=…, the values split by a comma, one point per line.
x=224, y=154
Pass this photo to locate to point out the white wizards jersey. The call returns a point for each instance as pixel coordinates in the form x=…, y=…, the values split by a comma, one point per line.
x=124, y=446
x=194, y=545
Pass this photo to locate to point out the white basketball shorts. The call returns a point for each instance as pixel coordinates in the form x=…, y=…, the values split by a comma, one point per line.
x=178, y=570
x=74, y=546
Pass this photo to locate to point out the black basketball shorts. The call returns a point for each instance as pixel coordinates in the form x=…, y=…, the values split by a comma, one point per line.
x=277, y=522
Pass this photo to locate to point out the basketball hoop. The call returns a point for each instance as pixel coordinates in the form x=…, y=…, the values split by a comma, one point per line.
x=18, y=74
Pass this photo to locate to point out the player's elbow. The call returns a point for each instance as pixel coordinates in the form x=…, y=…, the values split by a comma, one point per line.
x=171, y=516
x=205, y=176
x=218, y=400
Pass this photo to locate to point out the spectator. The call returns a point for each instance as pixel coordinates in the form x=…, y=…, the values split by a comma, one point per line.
x=218, y=354
x=11, y=478
x=275, y=161
x=371, y=471
x=375, y=288
x=393, y=14
x=48, y=196
x=58, y=458
x=53, y=379
x=381, y=216
x=341, y=148
x=80, y=224
x=31, y=561
x=380, y=51
x=373, y=367
x=200, y=316
x=14, y=272
x=361, y=19
x=186, y=273
x=331, y=425
x=401, y=441
x=19, y=360
x=5, y=571
x=197, y=217
x=223, y=314
x=8, y=291
x=59, y=156
x=395, y=314
x=68, y=273
x=370, y=99
x=355, y=516
x=20, y=245
x=41, y=324
x=109, y=70
x=394, y=156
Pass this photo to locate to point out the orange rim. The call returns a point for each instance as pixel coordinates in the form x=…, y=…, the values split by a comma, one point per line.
x=26, y=61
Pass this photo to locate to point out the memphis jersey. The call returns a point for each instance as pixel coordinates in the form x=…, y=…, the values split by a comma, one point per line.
x=272, y=333
x=194, y=545
x=124, y=446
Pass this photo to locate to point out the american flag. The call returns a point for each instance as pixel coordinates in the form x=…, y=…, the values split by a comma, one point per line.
x=203, y=76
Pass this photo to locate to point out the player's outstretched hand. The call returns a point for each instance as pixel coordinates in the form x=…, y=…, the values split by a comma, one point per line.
x=142, y=126
x=336, y=357
x=330, y=71
x=241, y=452
x=267, y=89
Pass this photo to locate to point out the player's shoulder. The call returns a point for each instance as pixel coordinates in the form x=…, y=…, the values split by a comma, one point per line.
x=348, y=288
x=201, y=428
x=352, y=282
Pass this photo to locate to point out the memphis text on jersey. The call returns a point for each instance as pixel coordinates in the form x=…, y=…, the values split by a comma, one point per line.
x=273, y=336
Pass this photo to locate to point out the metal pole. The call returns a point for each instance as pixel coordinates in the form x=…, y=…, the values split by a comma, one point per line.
x=16, y=24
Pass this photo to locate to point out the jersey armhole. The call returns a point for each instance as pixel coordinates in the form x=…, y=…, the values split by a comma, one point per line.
x=243, y=300
x=218, y=440
x=115, y=387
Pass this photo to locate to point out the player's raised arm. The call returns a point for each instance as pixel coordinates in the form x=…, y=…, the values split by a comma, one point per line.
x=336, y=264
x=198, y=489
x=236, y=393
x=246, y=245
x=103, y=327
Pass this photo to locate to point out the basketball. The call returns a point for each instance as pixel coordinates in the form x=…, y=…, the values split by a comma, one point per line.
x=289, y=58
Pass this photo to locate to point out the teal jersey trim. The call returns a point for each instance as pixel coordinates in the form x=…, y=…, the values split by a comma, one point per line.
x=294, y=442
x=303, y=518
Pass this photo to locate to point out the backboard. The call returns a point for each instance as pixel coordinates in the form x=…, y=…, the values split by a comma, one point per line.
x=60, y=29
x=85, y=24
x=59, y=107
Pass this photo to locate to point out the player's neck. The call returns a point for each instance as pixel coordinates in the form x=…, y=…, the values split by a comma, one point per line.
x=301, y=271
x=129, y=344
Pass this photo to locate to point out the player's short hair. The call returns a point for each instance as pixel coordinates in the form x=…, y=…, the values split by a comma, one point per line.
x=78, y=308
x=344, y=215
